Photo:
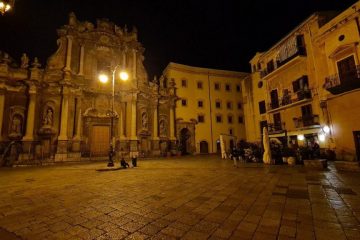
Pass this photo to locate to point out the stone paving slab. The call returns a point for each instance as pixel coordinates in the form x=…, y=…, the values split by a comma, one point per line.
x=201, y=197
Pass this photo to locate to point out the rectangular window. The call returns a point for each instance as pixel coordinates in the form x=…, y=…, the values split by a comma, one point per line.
x=238, y=88
x=228, y=105
x=183, y=83
x=217, y=86
x=200, y=104
x=184, y=102
x=199, y=85
x=262, y=107
x=239, y=105
x=227, y=87
x=230, y=119
x=218, y=104
x=230, y=131
x=201, y=118
x=218, y=119
x=270, y=66
x=240, y=119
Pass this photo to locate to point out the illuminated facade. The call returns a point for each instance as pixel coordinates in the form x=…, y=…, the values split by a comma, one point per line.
x=307, y=85
x=62, y=112
x=209, y=103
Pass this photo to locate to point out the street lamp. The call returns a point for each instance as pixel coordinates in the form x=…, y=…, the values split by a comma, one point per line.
x=103, y=78
x=6, y=5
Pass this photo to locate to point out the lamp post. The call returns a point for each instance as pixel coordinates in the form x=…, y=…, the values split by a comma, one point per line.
x=6, y=5
x=104, y=79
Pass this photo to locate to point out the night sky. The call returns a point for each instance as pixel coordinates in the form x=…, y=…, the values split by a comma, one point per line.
x=222, y=34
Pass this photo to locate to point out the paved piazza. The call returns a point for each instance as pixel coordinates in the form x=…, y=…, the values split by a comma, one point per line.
x=178, y=198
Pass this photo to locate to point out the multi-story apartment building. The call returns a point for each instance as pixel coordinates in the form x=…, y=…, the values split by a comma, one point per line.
x=305, y=87
x=209, y=105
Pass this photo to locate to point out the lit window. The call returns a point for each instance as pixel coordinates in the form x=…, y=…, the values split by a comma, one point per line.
x=200, y=104
x=201, y=118
x=184, y=102
x=217, y=86
x=218, y=119
x=183, y=83
x=199, y=85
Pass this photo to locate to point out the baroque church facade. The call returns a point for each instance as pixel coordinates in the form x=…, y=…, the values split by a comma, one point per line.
x=62, y=112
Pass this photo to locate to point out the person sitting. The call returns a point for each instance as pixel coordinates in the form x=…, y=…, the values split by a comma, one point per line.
x=123, y=163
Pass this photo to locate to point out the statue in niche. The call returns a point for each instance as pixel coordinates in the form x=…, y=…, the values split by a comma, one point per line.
x=24, y=61
x=163, y=130
x=144, y=121
x=15, y=125
x=48, y=117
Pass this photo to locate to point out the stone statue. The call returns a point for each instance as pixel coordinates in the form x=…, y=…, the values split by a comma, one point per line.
x=163, y=131
x=48, y=117
x=15, y=125
x=24, y=61
x=144, y=120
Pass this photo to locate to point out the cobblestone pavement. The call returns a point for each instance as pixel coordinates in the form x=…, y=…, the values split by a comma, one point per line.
x=180, y=198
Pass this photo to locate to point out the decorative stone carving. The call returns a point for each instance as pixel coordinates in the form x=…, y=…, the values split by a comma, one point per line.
x=24, y=61
x=144, y=120
x=163, y=128
x=48, y=117
x=16, y=122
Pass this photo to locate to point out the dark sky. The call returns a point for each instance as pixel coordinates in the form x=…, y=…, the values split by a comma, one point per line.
x=222, y=34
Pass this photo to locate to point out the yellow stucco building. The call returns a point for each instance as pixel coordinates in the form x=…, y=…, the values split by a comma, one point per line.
x=209, y=104
x=305, y=88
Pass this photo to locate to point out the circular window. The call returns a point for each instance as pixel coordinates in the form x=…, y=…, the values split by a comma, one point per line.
x=341, y=37
x=260, y=84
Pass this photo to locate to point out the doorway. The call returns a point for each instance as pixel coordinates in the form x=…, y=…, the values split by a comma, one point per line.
x=357, y=144
x=204, y=147
x=100, y=140
x=185, y=141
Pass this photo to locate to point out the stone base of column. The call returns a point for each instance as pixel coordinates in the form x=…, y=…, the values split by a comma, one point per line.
x=76, y=146
x=155, y=146
x=173, y=147
x=62, y=151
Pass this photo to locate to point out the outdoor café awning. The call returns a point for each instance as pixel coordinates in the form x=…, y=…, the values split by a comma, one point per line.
x=297, y=132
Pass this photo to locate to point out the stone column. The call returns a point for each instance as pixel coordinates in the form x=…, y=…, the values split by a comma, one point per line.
x=121, y=124
x=30, y=121
x=172, y=122
x=77, y=137
x=82, y=55
x=134, y=64
x=133, y=135
x=28, y=139
x=156, y=139
x=2, y=106
x=68, y=53
x=61, y=154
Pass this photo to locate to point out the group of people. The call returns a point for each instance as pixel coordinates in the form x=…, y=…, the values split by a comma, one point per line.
x=125, y=164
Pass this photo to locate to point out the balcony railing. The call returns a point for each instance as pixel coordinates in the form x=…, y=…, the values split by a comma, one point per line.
x=345, y=82
x=301, y=52
x=306, y=121
x=289, y=98
x=276, y=127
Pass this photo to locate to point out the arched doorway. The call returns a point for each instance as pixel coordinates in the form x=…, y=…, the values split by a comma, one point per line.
x=185, y=141
x=204, y=147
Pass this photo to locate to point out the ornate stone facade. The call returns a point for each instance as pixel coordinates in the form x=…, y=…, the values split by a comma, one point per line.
x=62, y=112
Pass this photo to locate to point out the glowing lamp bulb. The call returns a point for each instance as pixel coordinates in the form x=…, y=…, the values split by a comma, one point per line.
x=322, y=137
x=326, y=129
x=103, y=78
x=300, y=137
x=124, y=75
x=7, y=7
